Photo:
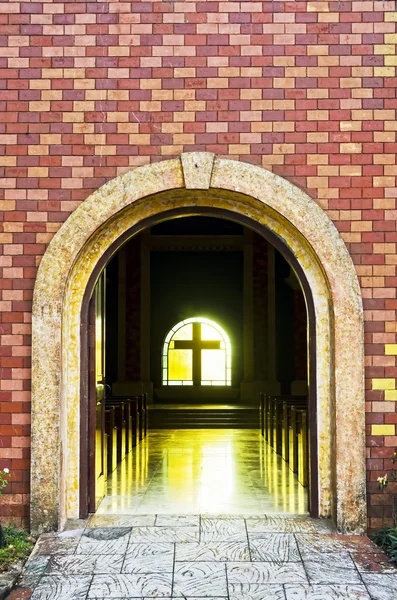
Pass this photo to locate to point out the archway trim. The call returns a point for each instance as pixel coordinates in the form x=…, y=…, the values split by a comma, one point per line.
x=131, y=198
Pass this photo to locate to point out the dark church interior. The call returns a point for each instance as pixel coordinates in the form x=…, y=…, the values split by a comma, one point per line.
x=205, y=332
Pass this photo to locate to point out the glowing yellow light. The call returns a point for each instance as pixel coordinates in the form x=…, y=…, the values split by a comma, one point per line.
x=180, y=365
x=184, y=333
x=208, y=332
x=197, y=352
x=213, y=365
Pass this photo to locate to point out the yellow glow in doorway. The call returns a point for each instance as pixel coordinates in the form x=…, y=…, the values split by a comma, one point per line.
x=197, y=351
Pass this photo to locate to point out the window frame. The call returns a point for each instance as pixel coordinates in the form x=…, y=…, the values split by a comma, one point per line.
x=226, y=382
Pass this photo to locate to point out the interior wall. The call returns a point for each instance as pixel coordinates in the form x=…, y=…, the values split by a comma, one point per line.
x=211, y=284
x=260, y=257
x=188, y=284
x=111, y=322
x=133, y=309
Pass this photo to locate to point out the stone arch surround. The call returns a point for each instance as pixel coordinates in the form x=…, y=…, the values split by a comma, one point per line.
x=145, y=192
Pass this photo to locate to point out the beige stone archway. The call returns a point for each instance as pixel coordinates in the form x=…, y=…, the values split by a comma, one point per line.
x=242, y=189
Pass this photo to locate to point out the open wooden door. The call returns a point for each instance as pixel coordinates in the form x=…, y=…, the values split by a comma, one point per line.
x=97, y=387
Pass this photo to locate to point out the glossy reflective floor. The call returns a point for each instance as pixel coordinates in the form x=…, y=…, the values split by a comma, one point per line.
x=205, y=471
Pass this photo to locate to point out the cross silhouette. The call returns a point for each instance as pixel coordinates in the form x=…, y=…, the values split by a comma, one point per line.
x=197, y=344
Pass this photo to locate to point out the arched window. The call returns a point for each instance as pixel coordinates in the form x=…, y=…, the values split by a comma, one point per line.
x=197, y=352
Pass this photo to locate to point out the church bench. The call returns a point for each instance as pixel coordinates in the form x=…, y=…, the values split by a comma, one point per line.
x=275, y=413
x=298, y=444
x=273, y=422
x=303, y=449
x=111, y=439
x=145, y=403
x=274, y=418
x=287, y=404
x=141, y=416
x=119, y=407
x=262, y=408
x=264, y=415
x=130, y=418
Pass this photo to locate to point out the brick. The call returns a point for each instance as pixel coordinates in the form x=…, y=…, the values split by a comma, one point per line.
x=383, y=429
x=306, y=89
x=383, y=384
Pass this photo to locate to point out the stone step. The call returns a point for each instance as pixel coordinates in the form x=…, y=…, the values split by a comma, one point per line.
x=204, y=418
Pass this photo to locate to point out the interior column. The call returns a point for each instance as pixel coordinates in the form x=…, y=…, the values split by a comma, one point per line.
x=121, y=314
x=247, y=384
x=145, y=315
x=273, y=386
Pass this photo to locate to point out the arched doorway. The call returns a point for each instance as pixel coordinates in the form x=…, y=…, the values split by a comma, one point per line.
x=197, y=182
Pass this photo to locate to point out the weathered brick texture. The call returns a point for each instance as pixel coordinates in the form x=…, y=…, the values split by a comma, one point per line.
x=89, y=90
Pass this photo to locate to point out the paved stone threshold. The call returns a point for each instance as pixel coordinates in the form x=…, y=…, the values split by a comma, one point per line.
x=188, y=557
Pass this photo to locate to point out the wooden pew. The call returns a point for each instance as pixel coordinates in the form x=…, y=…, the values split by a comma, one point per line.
x=142, y=410
x=303, y=448
x=145, y=406
x=130, y=410
x=271, y=423
x=134, y=421
x=299, y=445
x=121, y=425
x=267, y=417
x=277, y=423
x=111, y=436
x=284, y=423
x=140, y=417
x=262, y=413
x=287, y=403
x=274, y=418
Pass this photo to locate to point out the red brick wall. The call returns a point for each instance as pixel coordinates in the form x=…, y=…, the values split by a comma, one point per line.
x=89, y=90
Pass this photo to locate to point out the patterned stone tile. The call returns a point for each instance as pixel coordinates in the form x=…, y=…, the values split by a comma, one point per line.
x=213, y=551
x=75, y=524
x=381, y=586
x=273, y=546
x=324, y=526
x=164, y=534
x=331, y=568
x=199, y=579
x=62, y=587
x=56, y=545
x=177, y=520
x=326, y=592
x=321, y=543
x=131, y=586
x=241, y=591
x=149, y=558
x=121, y=520
x=373, y=563
x=222, y=530
x=36, y=564
x=266, y=572
x=225, y=516
x=107, y=533
x=105, y=540
x=197, y=598
x=86, y=564
x=72, y=532
x=274, y=524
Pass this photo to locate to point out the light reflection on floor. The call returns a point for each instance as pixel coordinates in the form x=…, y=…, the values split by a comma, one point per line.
x=217, y=471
